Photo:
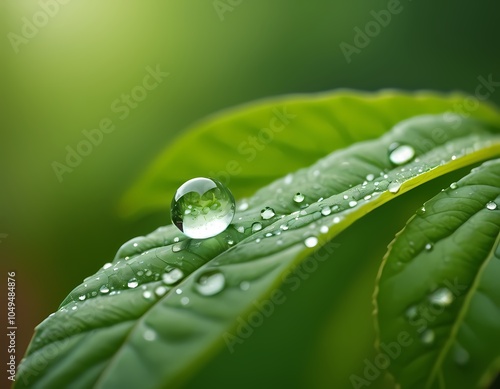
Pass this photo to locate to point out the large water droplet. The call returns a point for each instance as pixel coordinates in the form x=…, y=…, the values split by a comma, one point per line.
x=172, y=276
x=210, y=283
x=267, y=213
x=441, y=297
x=400, y=154
x=202, y=208
x=312, y=241
x=427, y=337
x=132, y=283
x=394, y=187
x=491, y=206
x=298, y=198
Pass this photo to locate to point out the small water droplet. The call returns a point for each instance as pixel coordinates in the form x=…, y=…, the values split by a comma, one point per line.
x=104, y=289
x=74, y=308
x=132, y=283
x=241, y=229
x=230, y=242
x=345, y=197
x=335, y=208
x=312, y=241
x=412, y=312
x=135, y=244
x=185, y=300
x=441, y=297
x=243, y=206
x=325, y=211
x=176, y=239
x=460, y=355
x=177, y=247
x=284, y=227
x=140, y=273
x=353, y=203
x=149, y=335
x=427, y=337
x=173, y=276
x=267, y=213
x=370, y=177
x=147, y=294
x=149, y=273
x=257, y=240
x=288, y=179
x=256, y=227
x=336, y=219
x=210, y=283
x=298, y=198
x=394, y=187
x=323, y=229
x=400, y=154
x=491, y=206
x=107, y=265
x=453, y=185
x=367, y=197
x=244, y=285
x=202, y=208
x=178, y=291
x=82, y=297
x=421, y=211
x=269, y=234
x=160, y=291
x=428, y=246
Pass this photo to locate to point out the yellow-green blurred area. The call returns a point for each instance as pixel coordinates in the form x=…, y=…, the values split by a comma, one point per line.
x=84, y=56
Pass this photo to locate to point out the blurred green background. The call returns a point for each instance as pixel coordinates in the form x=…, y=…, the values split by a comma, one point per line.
x=85, y=55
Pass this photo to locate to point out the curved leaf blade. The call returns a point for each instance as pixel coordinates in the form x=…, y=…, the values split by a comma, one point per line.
x=439, y=285
x=162, y=338
x=250, y=146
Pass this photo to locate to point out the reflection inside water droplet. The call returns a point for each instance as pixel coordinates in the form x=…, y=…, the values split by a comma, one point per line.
x=202, y=208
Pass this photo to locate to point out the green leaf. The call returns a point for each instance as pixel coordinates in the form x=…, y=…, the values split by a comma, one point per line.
x=138, y=337
x=438, y=287
x=250, y=146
